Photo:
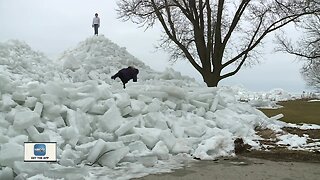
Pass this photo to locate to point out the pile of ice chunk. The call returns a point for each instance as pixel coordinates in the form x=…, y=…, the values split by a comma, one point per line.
x=263, y=99
x=20, y=64
x=96, y=122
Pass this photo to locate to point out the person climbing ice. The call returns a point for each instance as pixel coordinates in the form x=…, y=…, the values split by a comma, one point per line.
x=126, y=74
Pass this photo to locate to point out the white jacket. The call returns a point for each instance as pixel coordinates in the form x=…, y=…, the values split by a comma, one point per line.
x=96, y=20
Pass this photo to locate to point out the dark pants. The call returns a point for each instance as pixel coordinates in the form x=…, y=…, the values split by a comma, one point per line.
x=96, y=26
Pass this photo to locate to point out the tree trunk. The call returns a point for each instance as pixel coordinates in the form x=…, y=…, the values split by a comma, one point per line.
x=211, y=79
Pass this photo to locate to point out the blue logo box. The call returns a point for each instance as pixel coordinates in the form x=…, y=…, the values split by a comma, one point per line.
x=39, y=149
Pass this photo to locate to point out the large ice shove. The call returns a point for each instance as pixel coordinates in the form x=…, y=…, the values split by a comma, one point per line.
x=130, y=128
x=96, y=122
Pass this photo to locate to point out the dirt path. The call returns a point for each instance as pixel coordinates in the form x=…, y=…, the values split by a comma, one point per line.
x=243, y=168
x=276, y=162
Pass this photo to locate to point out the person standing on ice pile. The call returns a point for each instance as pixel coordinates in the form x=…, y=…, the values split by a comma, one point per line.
x=96, y=24
x=126, y=74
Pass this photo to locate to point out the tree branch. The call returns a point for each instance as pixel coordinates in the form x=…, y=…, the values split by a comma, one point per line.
x=235, y=20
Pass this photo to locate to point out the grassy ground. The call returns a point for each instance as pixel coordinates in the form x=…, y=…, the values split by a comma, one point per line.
x=297, y=111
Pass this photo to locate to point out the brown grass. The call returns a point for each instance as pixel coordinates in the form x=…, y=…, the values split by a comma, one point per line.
x=297, y=111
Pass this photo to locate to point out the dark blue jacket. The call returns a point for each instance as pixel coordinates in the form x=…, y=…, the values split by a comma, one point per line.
x=126, y=74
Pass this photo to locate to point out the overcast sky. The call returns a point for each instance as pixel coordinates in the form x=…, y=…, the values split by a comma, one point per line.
x=52, y=26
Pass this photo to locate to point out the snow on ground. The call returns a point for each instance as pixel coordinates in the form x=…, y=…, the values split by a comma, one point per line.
x=159, y=123
x=314, y=100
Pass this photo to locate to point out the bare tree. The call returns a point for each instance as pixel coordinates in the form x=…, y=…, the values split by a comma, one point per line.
x=311, y=73
x=307, y=47
x=213, y=35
